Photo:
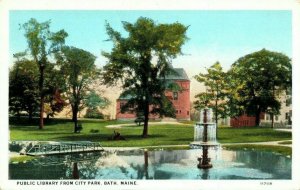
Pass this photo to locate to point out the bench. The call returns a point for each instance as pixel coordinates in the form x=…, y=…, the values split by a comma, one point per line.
x=139, y=120
x=78, y=128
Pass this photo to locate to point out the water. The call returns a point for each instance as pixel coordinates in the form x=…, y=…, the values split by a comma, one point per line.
x=211, y=132
x=139, y=164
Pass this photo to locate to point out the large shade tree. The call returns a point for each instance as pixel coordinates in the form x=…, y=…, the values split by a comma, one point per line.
x=42, y=43
x=79, y=69
x=23, y=88
x=257, y=80
x=140, y=61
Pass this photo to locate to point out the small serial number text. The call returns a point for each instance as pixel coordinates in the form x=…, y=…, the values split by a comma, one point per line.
x=265, y=183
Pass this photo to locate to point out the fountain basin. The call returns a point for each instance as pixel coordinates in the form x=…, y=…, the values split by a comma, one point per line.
x=165, y=164
x=200, y=144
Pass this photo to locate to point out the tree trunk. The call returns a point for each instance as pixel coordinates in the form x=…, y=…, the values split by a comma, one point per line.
x=146, y=57
x=257, y=117
x=73, y=113
x=30, y=116
x=272, y=119
x=74, y=117
x=146, y=115
x=216, y=116
x=41, y=85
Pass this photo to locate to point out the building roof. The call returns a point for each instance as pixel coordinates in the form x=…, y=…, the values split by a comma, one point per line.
x=179, y=75
x=125, y=97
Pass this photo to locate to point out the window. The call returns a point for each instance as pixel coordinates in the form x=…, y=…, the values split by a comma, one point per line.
x=175, y=95
x=121, y=104
x=188, y=113
x=176, y=111
x=276, y=117
x=287, y=116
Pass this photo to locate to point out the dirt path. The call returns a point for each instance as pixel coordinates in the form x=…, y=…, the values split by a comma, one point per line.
x=274, y=143
x=118, y=126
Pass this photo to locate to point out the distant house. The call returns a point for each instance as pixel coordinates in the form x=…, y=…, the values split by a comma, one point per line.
x=244, y=120
x=284, y=119
x=180, y=99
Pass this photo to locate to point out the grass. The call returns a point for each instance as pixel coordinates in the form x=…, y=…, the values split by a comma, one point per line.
x=21, y=158
x=285, y=142
x=251, y=134
x=270, y=148
x=166, y=134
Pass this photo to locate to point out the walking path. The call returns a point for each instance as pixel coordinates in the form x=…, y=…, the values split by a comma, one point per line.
x=274, y=143
x=118, y=126
x=285, y=130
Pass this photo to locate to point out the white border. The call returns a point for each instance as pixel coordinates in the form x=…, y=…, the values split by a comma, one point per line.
x=6, y=5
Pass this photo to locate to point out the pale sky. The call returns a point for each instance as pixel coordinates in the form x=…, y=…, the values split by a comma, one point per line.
x=214, y=35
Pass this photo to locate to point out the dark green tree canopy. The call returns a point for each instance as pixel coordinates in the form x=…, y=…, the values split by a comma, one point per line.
x=258, y=79
x=141, y=62
x=79, y=70
x=23, y=87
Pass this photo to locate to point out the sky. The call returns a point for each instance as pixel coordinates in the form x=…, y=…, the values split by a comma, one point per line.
x=222, y=36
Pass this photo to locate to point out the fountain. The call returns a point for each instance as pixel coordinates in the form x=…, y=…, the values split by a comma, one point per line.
x=205, y=137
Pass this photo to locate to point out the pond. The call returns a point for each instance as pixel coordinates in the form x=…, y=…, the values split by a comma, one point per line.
x=163, y=164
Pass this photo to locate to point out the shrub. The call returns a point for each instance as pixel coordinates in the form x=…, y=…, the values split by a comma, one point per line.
x=93, y=113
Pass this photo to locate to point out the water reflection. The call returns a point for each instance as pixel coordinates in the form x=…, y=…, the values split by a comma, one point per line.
x=75, y=171
x=140, y=164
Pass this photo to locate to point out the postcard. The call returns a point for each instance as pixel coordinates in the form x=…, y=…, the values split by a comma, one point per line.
x=149, y=95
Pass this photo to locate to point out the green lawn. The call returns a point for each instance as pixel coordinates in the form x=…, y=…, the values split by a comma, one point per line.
x=62, y=130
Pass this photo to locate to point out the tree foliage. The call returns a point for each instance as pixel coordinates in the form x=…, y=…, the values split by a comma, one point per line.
x=256, y=81
x=23, y=87
x=141, y=62
x=94, y=100
x=214, y=97
x=42, y=43
x=79, y=69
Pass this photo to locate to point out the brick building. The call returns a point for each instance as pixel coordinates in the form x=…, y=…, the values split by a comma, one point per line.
x=244, y=121
x=180, y=99
x=283, y=120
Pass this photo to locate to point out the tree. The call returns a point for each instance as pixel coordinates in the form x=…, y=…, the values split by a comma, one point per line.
x=141, y=62
x=214, y=80
x=54, y=90
x=257, y=80
x=79, y=69
x=55, y=102
x=23, y=88
x=42, y=43
x=93, y=101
